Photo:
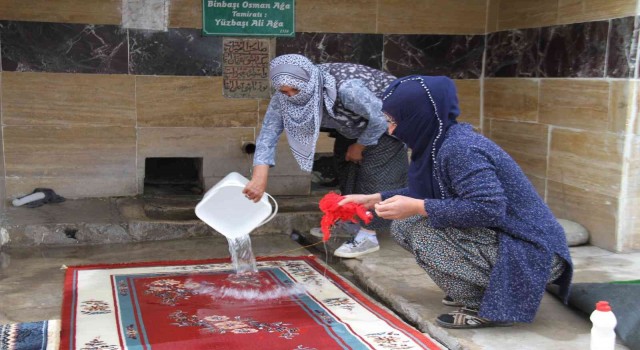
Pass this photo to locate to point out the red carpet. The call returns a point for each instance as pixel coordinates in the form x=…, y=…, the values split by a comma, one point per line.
x=292, y=303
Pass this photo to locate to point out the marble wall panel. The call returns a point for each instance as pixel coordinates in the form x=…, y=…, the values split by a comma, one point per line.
x=634, y=119
x=63, y=48
x=595, y=211
x=493, y=8
x=164, y=101
x=581, y=104
x=632, y=175
x=68, y=99
x=469, y=99
x=622, y=54
x=587, y=160
x=325, y=143
x=48, y=151
x=286, y=178
x=72, y=186
x=3, y=194
x=540, y=184
x=513, y=53
x=185, y=14
x=336, y=16
x=431, y=16
x=455, y=56
x=364, y=49
x=630, y=227
x=145, y=14
x=574, y=11
x=263, y=104
x=215, y=146
x=286, y=167
x=286, y=164
x=527, y=143
x=575, y=50
x=511, y=99
x=277, y=185
x=630, y=221
x=175, y=52
x=285, y=185
x=62, y=11
x=620, y=103
x=2, y=171
x=75, y=161
x=514, y=14
x=219, y=148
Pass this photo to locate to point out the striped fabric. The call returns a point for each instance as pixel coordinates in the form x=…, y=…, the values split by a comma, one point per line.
x=41, y=335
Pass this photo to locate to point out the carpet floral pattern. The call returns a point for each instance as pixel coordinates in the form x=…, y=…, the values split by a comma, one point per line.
x=291, y=303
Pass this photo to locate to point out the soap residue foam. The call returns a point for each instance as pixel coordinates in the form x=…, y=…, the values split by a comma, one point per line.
x=252, y=294
x=250, y=286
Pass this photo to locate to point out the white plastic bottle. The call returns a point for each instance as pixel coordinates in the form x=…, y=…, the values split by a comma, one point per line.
x=603, y=335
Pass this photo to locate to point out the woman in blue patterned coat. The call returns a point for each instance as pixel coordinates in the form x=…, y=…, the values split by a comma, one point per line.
x=344, y=98
x=469, y=215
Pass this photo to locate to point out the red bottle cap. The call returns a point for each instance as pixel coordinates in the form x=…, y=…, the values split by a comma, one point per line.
x=603, y=306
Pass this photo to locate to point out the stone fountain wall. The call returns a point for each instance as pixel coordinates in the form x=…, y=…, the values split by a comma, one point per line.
x=86, y=95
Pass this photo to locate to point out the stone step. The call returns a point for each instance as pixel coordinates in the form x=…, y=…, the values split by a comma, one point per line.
x=170, y=208
x=183, y=207
x=92, y=221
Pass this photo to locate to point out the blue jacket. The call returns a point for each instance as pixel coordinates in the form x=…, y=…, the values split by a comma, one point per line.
x=484, y=187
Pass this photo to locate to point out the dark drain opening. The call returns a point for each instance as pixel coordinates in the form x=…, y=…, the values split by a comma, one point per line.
x=70, y=232
x=173, y=176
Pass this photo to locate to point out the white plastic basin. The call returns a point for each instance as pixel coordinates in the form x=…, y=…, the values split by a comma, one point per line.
x=226, y=209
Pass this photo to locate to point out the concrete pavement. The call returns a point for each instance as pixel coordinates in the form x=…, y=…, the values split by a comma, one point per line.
x=37, y=242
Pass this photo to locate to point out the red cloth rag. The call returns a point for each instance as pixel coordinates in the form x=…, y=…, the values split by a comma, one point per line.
x=334, y=212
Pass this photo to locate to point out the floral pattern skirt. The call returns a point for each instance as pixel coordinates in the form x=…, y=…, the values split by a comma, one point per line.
x=459, y=261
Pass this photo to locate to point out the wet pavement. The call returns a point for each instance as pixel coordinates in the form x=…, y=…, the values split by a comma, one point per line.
x=31, y=277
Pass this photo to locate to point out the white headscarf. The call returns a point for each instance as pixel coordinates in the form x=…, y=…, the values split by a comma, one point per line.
x=302, y=112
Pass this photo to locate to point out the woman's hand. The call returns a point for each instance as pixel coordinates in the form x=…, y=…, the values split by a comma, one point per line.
x=258, y=184
x=367, y=200
x=400, y=207
x=354, y=153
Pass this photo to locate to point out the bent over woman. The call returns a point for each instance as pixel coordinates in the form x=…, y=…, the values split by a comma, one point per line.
x=344, y=98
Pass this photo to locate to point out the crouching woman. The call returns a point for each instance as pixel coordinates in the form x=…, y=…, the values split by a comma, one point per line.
x=469, y=215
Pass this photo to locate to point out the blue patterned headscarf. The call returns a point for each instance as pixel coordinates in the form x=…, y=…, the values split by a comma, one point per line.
x=423, y=108
x=302, y=112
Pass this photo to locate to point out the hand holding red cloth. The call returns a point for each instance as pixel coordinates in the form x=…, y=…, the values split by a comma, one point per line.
x=334, y=212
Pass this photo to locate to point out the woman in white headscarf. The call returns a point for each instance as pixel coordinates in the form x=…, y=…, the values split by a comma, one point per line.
x=343, y=98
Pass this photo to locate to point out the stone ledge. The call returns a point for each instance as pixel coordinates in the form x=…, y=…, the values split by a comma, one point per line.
x=124, y=219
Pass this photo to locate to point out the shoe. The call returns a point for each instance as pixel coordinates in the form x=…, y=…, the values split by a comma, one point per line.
x=447, y=300
x=467, y=318
x=316, y=232
x=354, y=249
